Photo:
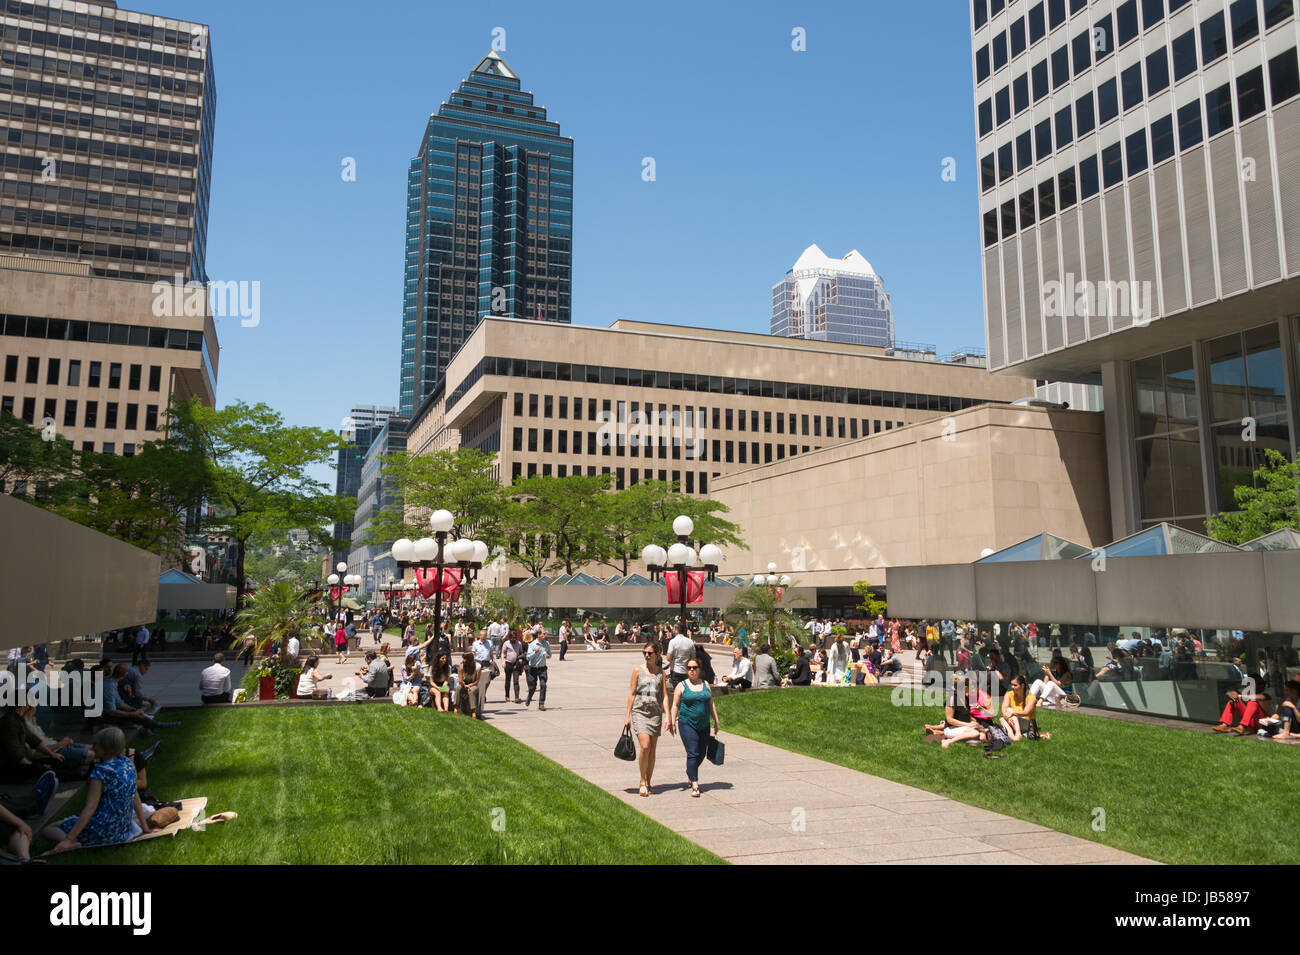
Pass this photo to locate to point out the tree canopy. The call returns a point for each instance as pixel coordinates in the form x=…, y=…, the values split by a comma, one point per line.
x=1270, y=504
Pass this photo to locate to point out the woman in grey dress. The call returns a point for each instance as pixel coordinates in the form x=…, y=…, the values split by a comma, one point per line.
x=647, y=699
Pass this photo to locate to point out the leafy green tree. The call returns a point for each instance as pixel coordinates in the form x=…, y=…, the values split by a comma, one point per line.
x=1271, y=503
x=871, y=604
x=260, y=477
x=28, y=461
x=461, y=481
x=526, y=541
x=291, y=564
x=643, y=513
x=569, y=513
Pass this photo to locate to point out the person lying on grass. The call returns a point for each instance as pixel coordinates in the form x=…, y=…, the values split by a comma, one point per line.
x=1018, y=709
x=111, y=800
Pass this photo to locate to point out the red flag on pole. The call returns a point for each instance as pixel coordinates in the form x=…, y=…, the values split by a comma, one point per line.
x=694, y=587
x=540, y=316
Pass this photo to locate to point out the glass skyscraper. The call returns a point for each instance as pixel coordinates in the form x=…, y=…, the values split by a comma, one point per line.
x=833, y=300
x=489, y=222
x=108, y=158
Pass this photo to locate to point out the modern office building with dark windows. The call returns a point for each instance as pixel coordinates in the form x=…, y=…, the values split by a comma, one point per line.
x=833, y=300
x=489, y=222
x=360, y=428
x=107, y=157
x=1141, y=230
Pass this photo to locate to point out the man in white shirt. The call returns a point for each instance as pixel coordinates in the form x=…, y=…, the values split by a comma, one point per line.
x=214, y=682
x=742, y=672
x=680, y=649
x=291, y=651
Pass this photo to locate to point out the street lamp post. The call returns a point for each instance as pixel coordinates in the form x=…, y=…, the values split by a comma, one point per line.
x=344, y=583
x=681, y=559
x=436, y=552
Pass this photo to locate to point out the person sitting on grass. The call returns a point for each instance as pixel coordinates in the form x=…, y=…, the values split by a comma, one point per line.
x=1018, y=709
x=112, y=800
x=800, y=673
x=958, y=723
x=1051, y=692
x=15, y=834
x=1285, y=726
x=116, y=712
x=1242, y=715
x=309, y=682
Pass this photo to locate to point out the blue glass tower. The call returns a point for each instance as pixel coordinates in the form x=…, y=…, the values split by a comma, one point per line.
x=489, y=222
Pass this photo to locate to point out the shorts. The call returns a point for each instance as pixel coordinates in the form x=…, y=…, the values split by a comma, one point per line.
x=950, y=731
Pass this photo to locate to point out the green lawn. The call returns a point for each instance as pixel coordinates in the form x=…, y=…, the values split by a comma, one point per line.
x=1171, y=795
x=379, y=785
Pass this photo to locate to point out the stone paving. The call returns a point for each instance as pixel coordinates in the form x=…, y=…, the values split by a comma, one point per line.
x=768, y=805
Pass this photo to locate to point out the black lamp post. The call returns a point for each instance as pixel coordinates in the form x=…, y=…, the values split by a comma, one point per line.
x=681, y=559
x=344, y=582
x=435, y=552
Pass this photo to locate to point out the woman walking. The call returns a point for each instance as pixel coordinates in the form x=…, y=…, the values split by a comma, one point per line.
x=692, y=705
x=647, y=698
x=341, y=642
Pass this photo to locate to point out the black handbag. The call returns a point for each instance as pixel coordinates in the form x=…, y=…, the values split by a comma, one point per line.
x=716, y=751
x=625, y=748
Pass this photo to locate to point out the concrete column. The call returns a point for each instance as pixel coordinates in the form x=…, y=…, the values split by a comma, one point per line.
x=1121, y=457
x=1292, y=382
x=1205, y=423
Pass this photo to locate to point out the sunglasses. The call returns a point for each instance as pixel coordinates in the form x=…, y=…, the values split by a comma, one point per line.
x=692, y=668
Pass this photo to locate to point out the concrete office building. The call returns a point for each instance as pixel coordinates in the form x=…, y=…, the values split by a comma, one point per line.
x=372, y=562
x=833, y=300
x=106, y=175
x=360, y=428
x=90, y=355
x=695, y=404
x=1141, y=230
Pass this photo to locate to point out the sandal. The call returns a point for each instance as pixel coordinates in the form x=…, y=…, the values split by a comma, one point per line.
x=695, y=790
x=645, y=790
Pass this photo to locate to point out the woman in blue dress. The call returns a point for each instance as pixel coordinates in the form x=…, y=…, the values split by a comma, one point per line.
x=111, y=800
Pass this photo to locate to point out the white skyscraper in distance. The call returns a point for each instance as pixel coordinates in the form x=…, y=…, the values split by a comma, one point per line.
x=833, y=300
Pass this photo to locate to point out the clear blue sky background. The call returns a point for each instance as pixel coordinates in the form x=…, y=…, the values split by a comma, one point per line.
x=760, y=151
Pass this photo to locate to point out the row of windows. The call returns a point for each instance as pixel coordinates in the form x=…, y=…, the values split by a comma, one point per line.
x=669, y=445
x=1135, y=153
x=95, y=173
x=94, y=375
x=97, y=74
x=88, y=412
x=77, y=196
x=709, y=384
x=56, y=142
x=116, y=25
x=110, y=125
x=1034, y=85
x=65, y=94
x=668, y=417
x=114, y=51
x=111, y=333
x=693, y=479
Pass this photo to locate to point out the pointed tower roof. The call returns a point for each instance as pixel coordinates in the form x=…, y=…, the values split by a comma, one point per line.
x=493, y=65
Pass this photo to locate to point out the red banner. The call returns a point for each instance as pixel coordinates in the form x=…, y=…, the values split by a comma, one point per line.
x=426, y=580
x=336, y=593
x=694, y=587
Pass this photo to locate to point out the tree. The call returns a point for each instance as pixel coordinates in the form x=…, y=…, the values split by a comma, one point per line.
x=260, y=481
x=871, y=605
x=33, y=458
x=1270, y=504
x=461, y=481
x=772, y=620
x=291, y=563
x=567, y=512
x=643, y=514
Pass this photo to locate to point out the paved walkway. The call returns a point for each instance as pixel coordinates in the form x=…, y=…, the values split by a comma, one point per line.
x=769, y=805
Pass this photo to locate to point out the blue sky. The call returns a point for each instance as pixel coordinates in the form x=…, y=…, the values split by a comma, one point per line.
x=760, y=151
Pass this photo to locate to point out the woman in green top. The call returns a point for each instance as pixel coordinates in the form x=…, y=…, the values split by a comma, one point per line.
x=689, y=714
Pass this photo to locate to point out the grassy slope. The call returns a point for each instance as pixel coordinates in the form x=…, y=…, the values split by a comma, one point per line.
x=1168, y=794
x=383, y=785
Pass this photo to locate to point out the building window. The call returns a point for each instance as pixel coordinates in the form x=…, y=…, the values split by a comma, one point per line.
x=1250, y=94
x=532, y=406
x=519, y=404
x=70, y=413
x=1283, y=77
x=33, y=370
x=517, y=442
x=133, y=378
x=151, y=418
x=1214, y=39
x=110, y=414
x=1218, y=110
x=11, y=368
x=115, y=375
x=110, y=447
x=52, y=372
x=564, y=406
x=93, y=378
x=532, y=439
x=92, y=414
x=547, y=444
x=1245, y=21
x=548, y=406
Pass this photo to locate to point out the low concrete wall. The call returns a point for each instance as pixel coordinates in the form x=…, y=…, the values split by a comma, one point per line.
x=60, y=580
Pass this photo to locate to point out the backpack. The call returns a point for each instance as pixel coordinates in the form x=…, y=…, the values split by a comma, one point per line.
x=998, y=740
